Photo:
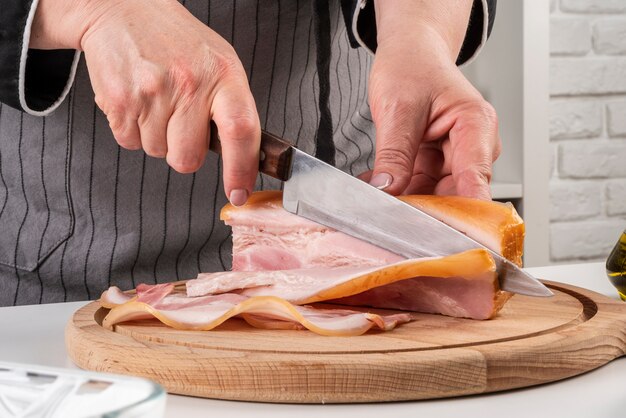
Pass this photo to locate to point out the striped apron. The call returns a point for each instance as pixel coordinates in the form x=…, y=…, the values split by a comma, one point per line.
x=78, y=213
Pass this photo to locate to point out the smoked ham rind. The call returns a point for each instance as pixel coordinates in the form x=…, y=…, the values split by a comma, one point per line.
x=495, y=225
x=266, y=237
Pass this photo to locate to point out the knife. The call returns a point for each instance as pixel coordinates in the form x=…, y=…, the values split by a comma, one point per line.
x=324, y=194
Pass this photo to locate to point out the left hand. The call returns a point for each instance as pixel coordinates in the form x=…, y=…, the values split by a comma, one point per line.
x=435, y=132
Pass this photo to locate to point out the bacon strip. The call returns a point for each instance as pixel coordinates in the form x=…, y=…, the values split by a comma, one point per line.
x=207, y=312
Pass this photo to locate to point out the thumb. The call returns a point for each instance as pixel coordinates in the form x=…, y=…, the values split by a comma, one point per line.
x=400, y=126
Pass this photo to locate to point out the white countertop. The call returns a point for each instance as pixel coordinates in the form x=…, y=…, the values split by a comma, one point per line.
x=35, y=334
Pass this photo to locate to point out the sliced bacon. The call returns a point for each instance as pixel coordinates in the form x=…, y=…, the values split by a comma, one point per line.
x=462, y=285
x=207, y=312
x=146, y=293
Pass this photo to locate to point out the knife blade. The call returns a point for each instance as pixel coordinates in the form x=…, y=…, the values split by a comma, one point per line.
x=324, y=194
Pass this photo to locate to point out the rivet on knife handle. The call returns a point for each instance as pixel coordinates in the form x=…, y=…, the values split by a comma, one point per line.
x=275, y=157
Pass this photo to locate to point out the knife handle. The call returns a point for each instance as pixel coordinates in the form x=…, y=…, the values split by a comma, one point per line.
x=275, y=156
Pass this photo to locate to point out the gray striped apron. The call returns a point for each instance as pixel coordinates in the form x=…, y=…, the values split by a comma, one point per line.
x=78, y=213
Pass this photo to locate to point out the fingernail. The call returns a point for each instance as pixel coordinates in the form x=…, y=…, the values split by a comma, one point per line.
x=381, y=181
x=238, y=197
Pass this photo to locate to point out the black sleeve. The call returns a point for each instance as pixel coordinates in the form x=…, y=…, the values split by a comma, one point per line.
x=361, y=23
x=35, y=81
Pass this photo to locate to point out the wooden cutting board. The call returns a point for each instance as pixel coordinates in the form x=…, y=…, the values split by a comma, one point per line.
x=531, y=341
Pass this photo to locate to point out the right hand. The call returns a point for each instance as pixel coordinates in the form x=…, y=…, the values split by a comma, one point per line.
x=160, y=76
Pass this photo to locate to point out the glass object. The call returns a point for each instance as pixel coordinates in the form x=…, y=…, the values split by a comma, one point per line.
x=616, y=266
x=35, y=391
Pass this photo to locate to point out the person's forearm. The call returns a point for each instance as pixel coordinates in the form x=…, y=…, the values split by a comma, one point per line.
x=441, y=25
x=61, y=24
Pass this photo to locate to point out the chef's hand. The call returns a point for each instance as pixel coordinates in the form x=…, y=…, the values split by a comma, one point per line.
x=160, y=76
x=435, y=134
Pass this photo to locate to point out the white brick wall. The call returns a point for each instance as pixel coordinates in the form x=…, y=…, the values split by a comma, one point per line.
x=593, y=6
x=615, y=201
x=570, y=36
x=596, y=158
x=588, y=240
x=587, y=127
x=573, y=200
x=617, y=118
x=590, y=74
x=609, y=36
x=572, y=118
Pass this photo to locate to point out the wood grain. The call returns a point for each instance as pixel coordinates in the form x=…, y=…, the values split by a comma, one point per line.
x=531, y=341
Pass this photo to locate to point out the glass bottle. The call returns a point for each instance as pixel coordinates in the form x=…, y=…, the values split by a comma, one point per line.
x=616, y=266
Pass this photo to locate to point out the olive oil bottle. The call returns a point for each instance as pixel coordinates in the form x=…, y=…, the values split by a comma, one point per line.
x=616, y=266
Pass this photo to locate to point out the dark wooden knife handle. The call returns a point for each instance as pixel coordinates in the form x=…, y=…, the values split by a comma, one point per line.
x=275, y=158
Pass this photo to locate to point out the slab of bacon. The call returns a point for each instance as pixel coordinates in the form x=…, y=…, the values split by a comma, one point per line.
x=267, y=237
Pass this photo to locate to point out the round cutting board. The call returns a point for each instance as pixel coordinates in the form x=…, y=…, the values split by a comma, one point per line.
x=531, y=341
